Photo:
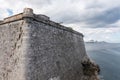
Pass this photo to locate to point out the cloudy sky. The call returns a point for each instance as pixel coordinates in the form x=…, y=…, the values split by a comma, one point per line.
x=96, y=19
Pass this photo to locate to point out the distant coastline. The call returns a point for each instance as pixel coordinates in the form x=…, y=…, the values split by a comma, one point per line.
x=93, y=41
x=100, y=42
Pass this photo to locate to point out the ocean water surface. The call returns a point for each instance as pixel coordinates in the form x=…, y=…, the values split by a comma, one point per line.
x=107, y=56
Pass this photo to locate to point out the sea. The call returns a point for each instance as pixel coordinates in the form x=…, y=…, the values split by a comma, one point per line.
x=107, y=56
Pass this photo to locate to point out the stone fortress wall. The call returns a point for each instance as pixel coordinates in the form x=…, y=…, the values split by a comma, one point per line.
x=32, y=47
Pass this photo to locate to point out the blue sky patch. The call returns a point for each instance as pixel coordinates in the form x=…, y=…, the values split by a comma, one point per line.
x=10, y=11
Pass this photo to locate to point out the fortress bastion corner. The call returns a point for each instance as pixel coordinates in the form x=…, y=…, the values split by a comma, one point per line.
x=36, y=48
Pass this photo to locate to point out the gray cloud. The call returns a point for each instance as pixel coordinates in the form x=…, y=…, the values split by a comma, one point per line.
x=93, y=19
x=106, y=17
x=92, y=13
x=38, y=3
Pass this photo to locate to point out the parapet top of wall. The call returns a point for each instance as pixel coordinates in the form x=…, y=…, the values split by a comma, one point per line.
x=28, y=13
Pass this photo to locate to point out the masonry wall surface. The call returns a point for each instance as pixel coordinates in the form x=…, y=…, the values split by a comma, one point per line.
x=12, y=51
x=54, y=53
x=38, y=51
